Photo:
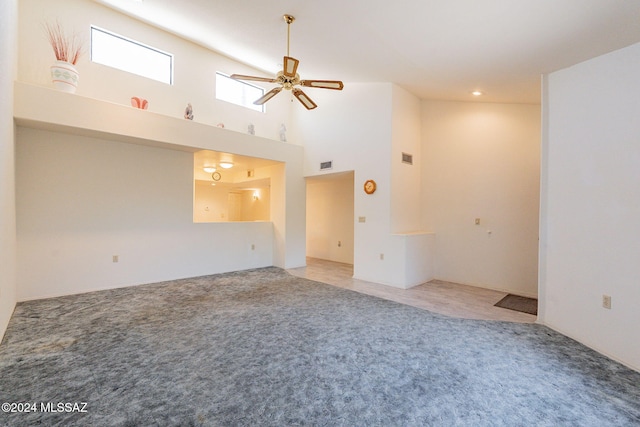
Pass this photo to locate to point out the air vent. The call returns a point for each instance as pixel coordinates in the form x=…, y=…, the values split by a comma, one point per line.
x=326, y=165
x=407, y=158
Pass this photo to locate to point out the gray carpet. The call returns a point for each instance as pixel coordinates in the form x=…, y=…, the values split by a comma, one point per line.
x=264, y=348
x=519, y=303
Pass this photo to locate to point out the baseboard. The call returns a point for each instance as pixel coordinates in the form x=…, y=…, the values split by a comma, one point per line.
x=533, y=295
x=592, y=347
x=4, y=322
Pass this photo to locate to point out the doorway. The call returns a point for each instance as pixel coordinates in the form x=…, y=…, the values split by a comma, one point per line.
x=330, y=217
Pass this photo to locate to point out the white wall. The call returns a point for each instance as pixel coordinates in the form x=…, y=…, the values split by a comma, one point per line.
x=406, y=195
x=8, y=61
x=590, y=237
x=81, y=200
x=482, y=161
x=330, y=217
x=353, y=129
x=359, y=129
x=194, y=67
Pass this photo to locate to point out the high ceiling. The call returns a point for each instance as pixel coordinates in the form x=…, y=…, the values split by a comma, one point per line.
x=434, y=48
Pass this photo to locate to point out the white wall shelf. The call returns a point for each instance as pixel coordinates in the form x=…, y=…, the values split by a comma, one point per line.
x=44, y=108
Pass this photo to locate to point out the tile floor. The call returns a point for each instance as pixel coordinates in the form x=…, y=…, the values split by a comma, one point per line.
x=447, y=298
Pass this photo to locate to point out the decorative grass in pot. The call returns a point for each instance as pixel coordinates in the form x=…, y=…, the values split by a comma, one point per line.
x=67, y=51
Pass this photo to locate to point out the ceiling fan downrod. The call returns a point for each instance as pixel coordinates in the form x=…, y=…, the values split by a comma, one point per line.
x=288, y=19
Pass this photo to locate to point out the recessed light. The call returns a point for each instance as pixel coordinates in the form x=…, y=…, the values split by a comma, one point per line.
x=226, y=165
x=476, y=93
x=209, y=169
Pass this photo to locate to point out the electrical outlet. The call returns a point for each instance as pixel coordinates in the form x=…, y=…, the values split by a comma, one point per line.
x=362, y=219
x=339, y=243
x=477, y=221
x=253, y=247
x=116, y=258
x=381, y=257
x=606, y=301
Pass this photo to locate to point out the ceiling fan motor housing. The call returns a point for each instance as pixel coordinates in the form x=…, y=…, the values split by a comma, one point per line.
x=288, y=82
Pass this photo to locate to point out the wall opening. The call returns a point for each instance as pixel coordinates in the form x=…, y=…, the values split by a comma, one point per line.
x=241, y=192
x=330, y=217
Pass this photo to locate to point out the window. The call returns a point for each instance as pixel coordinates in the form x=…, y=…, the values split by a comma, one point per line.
x=128, y=55
x=237, y=92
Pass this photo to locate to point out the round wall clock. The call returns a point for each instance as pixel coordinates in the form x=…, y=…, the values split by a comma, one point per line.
x=370, y=186
x=216, y=176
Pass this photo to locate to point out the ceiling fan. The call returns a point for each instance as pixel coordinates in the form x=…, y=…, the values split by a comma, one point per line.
x=288, y=78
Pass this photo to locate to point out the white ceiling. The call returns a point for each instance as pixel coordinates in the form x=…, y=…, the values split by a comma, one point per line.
x=437, y=49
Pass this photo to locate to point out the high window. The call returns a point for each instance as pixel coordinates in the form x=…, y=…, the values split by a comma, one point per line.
x=237, y=92
x=119, y=52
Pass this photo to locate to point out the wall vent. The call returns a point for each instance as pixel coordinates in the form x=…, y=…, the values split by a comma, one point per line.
x=326, y=165
x=407, y=158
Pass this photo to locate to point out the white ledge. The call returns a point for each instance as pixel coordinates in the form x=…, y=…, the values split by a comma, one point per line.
x=413, y=233
x=49, y=109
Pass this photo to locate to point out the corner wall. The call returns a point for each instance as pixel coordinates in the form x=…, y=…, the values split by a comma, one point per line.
x=591, y=203
x=406, y=196
x=352, y=128
x=364, y=129
x=8, y=61
x=482, y=161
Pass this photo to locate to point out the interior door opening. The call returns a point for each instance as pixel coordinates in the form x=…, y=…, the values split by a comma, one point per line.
x=330, y=217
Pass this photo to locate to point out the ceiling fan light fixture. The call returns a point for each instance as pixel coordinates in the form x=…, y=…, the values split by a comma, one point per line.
x=288, y=78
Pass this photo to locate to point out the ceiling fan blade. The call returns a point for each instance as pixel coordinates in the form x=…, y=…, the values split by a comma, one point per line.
x=290, y=66
x=267, y=96
x=253, y=78
x=304, y=99
x=323, y=84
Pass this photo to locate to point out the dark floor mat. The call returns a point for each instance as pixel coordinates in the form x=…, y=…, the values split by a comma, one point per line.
x=518, y=303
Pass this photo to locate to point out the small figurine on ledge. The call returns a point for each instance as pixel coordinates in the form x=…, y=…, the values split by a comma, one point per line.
x=140, y=103
x=188, y=112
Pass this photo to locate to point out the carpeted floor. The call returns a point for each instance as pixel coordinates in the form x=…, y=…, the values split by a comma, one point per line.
x=264, y=348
